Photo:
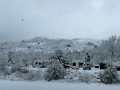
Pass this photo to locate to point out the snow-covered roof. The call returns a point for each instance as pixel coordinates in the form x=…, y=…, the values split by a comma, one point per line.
x=77, y=61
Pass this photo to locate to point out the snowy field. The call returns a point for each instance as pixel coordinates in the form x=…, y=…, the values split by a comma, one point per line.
x=57, y=85
x=42, y=85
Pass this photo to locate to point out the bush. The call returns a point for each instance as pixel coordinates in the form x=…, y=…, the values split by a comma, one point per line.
x=15, y=67
x=55, y=71
x=33, y=75
x=3, y=67
x=19, y=68
x=77, y=76
x=84, y=77
x=109, y=75
x=23, y=70
x=3, y=64
x=7, y=72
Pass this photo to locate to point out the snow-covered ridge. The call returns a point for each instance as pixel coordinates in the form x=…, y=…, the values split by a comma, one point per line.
x=45, y=44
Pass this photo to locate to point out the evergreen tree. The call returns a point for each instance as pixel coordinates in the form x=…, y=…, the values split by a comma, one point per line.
x=61, y=57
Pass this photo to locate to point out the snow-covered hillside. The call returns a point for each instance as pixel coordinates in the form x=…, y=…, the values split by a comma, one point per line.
x=49, y=45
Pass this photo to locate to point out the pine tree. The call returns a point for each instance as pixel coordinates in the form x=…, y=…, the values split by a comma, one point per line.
x=61, y=57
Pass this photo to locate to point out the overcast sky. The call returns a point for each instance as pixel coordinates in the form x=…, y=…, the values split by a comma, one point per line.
x=26, y=19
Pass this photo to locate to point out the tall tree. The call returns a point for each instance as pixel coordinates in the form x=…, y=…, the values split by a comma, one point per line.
x=60, y=56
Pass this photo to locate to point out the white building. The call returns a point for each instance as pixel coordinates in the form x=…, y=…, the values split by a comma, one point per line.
x=41, y=63
x=76, y=64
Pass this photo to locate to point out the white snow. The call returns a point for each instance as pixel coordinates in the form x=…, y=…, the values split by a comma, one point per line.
x=43, y=85
x=21, y=49
x=56, y=85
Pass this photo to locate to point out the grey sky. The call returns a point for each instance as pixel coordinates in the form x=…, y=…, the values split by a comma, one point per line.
x=26, y=19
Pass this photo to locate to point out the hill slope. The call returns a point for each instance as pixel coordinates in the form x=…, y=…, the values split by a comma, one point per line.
x=49, y=45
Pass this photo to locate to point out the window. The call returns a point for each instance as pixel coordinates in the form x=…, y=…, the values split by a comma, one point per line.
x=74, y=64
x=36, y=63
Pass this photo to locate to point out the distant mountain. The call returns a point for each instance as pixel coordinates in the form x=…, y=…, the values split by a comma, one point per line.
x=49, y=45
x=37, y=40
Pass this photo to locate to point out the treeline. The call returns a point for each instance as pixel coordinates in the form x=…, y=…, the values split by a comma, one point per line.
x=108, y=51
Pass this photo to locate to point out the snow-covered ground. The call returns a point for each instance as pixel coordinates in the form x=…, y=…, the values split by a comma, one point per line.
x=43, y=85
x=57, y=85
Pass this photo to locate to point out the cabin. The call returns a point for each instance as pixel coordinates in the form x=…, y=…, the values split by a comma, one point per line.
x=41, y=63
x=102, y=65
x=76, y=64
x=37, y=64
x=116, y=64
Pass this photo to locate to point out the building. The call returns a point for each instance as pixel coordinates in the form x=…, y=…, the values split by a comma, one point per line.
x=76, y=64
x=41, y=63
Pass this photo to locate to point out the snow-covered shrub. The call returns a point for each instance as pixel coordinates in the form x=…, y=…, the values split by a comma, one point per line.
x=72, y=75
x=77, y=76
x=33, y=75
x=19, y=68
x=109, y=75
x=7, y=72
x=15, y=67
x=3, y=64
x=2, y=67
x=18, y=74
x=23, y=70
x=119, y=77
x=54, y=72
x=14, y=76
x=84, y=77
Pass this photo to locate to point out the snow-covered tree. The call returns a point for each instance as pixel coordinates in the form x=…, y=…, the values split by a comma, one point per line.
x=60, y=56
x=117, y=49
x=55, y=71
x=69, y=56
x=25, y=59
x=110, y=75
x=3, y=62
x=3, y=59
x=107, y=51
